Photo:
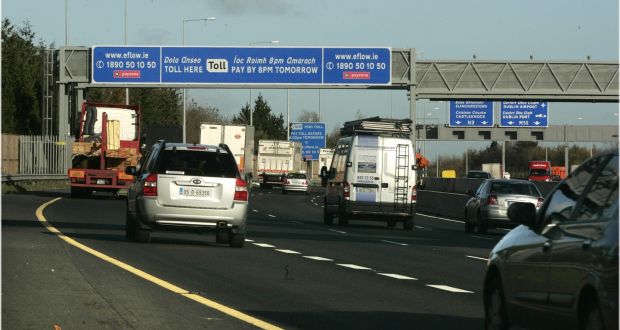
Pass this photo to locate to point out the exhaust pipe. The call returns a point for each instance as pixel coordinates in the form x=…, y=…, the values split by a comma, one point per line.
x=222, y=225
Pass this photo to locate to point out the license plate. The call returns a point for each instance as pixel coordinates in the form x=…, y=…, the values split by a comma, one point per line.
x=100, y=181
x=194, y=192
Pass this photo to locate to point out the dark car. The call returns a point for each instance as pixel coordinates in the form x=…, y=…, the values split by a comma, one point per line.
x=478, y=175
x=559, y=269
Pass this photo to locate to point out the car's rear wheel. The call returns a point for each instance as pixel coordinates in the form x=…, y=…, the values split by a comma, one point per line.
x=496, y=317
x=222, y=237
x=237, y=240
x=140, y=235
x=284, y=191
x=343, y=217
x=482, y=226
x=592, y=318
x=408, y=223
x=391, y=223
x=469, y=227
x=130, y=224
x=328, y=218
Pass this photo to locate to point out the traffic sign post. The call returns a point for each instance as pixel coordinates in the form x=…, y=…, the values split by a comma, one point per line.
x=524, y=114
x=241, y=65
x=311, y=136
x=471, y=114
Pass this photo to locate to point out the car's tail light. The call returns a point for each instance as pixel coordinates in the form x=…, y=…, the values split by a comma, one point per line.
x=540, y=202
x=287, y=182
x=150, y=185
x=305, y=183
x=492, y=200
x=414, y=194
x=346, y=190
x=241, y=191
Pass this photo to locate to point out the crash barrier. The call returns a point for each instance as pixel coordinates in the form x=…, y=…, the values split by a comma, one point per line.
x=447, y=197
x=35, y=156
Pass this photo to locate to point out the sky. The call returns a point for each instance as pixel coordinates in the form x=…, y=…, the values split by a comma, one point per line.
x=439, y=30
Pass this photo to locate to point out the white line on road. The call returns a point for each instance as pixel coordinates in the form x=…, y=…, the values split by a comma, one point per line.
x=264, y=245
x=249, y=240
x=352, y=266
x=318, y=258
x=485, y=259
x=420, y=227
x=256, y=211
x=271, y=215
x=448, y=288
x=337, y=231
x=440, y=218
x=287, y=251
x=487, y=238
x=401, y=244
x=398, y=277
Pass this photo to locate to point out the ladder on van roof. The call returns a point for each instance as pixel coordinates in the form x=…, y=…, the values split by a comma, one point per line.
x=401, y=179
x=378, y=126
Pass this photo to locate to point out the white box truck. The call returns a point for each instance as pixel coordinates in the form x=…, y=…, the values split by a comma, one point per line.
x=239, y=138
x=275, y=159
x=495, y=169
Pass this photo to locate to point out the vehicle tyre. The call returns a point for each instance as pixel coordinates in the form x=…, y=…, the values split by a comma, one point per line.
x=237, y=240
x=222, y=237
x=391, y=223
x=469, y=227
x=408, y=223
x=140, y=235
x=130, y=224
x=591, y=319
x=495, y=316
x=284, y=192
x=328, y=218
x=79, y=192
x=343, y=217
x=482, y=227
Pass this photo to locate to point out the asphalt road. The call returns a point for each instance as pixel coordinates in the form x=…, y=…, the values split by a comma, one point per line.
x=293, y=273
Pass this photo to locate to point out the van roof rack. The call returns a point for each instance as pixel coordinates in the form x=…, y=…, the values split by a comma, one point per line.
x=377, y=126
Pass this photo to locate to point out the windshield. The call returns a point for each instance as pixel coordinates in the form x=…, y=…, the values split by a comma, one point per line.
x=478, y=175
x=539, y=172
x=199, y=163
x=296, y=176
x=507, y=188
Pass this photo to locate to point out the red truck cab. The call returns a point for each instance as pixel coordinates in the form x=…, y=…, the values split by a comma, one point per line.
x=539, y=171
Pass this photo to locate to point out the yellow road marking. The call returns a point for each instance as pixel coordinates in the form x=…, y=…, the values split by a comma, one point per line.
x=164, y=284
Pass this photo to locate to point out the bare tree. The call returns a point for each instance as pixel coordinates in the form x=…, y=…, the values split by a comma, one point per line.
x=308, y=117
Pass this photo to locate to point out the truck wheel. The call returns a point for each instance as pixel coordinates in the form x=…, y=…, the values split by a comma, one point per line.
x=408, y=223
x=130, y=224
x=328, y=219
x=237, y=240
x=343, y=217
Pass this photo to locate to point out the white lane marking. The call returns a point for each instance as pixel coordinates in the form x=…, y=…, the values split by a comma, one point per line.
x=440, y=218
x=337, y=231
x=487, y=238
x=473, y=257
x=318, y=258
x=264, y=245
x=287, y=251
x=271, y=215
x=424, y=228
x=315, y=204
x=323, y=206
x=448, y=288
x=352, y=266
x=398, y=277
x=256, y=211
x=401, y=244
x=249, y=240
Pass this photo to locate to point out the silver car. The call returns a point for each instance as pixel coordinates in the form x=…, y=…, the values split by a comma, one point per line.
x=295, y=182
x=488, y=207
x=188, y=187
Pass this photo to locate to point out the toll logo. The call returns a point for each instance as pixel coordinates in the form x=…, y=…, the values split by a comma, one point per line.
x=217, y=65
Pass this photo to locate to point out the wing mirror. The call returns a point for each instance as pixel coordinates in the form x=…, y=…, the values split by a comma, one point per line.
x=522, y=213
x=332, y=173
x=131, y=170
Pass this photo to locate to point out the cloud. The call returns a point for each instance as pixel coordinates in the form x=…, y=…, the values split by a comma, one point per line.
x=275, y=7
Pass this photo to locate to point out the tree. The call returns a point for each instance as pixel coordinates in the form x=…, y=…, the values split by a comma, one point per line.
x=267, y=126
x=22, y=85
x=308, y=117
x=332, y=138
x=196, y=115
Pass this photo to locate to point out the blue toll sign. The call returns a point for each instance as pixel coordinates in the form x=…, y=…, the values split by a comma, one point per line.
x=241, y=65
x=471, y=114
x=524, y=114
x=311, y=136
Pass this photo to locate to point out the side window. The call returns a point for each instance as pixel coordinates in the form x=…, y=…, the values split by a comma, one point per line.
x=149, y=165
x=480, y=189
x=602, y=194
x=562, y=202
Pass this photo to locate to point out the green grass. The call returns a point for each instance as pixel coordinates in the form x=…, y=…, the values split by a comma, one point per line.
x=17, y=187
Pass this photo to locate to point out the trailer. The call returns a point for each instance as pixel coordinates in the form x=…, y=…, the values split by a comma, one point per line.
x=239, y=138
x=275, y=159
x=107, y=142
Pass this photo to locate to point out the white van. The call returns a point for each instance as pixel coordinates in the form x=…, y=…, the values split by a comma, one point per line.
x=372, y=177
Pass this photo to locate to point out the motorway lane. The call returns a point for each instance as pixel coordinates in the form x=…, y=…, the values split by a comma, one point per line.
x=288, y=289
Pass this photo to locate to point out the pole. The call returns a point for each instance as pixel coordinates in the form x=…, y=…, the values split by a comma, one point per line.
x=126, y=89
x=288, y=115
x=319, y=105
x=66, y=24
x=251, y=112
x=184, y=123
x=566, y=160
x=467, y=160
x=437, y=164
x=503, y=158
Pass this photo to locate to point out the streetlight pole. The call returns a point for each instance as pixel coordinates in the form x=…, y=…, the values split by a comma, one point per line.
x=126, y=89
x=205, y=19
x=271, y=42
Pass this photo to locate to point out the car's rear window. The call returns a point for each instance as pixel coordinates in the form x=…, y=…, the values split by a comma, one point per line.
x=514, y=188
x=478, y=175
x=198, y=163
x=296, y=176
